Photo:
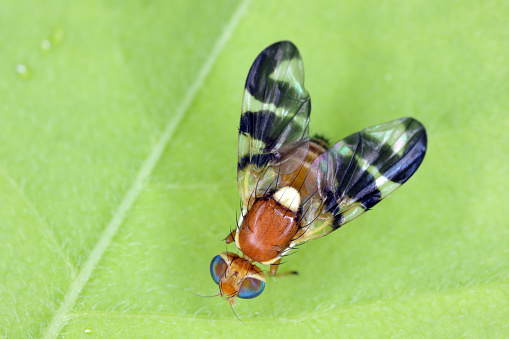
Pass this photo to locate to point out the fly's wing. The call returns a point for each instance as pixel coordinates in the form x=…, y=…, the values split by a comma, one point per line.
x=273, y=132
x=358, y=172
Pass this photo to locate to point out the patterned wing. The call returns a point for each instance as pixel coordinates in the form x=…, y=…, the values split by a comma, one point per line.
x=358, y=172
x=273, y=132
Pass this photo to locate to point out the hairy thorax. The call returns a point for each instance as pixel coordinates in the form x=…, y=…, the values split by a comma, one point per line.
x=267, y=229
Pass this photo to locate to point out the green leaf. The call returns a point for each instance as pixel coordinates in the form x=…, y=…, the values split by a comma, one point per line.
x=118, y=142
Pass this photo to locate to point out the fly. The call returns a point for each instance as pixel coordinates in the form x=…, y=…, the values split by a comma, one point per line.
x=295, y=188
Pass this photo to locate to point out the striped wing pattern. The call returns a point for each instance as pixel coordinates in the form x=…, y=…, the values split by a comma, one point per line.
x=343, y=183
x=275, y=118
x=358, y=172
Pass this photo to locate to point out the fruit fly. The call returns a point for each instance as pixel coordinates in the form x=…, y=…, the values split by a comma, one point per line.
x=295, y=188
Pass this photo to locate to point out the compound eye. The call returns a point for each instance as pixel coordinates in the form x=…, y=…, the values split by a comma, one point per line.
x=251, y=288
x=217, y=268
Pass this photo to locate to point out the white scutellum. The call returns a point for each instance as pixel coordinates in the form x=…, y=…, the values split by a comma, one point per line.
x=289, y=197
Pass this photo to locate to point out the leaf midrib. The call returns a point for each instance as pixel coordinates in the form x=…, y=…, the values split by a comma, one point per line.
x=60, y=318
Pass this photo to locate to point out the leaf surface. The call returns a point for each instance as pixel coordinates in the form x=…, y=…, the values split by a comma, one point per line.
x=95, y=93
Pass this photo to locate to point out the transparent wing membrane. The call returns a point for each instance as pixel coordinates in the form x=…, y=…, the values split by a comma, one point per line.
x=358, y=172
x=273, y=129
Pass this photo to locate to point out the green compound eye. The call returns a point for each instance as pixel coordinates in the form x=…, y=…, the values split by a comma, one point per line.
x=251, y=288
x=217, y=268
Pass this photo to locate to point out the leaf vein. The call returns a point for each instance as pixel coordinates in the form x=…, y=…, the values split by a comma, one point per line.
x=45, y=229
x=61, y=316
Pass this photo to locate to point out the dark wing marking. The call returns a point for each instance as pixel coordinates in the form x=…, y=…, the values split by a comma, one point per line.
x=359, y=171
x=275, y=118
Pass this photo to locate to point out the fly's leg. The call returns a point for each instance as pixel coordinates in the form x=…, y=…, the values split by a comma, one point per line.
x=231, y=237
x=274, y=267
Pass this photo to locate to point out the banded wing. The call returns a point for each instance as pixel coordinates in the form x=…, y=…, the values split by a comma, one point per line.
x=273, y=132
x=358, y=172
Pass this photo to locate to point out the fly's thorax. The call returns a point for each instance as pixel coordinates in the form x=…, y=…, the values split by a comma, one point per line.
x=266, y=229
x=269, y=226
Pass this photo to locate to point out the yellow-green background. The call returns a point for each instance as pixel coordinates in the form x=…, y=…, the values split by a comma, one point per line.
x=102, y=81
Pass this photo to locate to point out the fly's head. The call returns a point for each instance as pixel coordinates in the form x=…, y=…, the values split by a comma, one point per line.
x=236, y=277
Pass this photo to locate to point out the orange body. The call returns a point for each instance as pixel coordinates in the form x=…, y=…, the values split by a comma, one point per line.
x=268, y=227
x=267, y=230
